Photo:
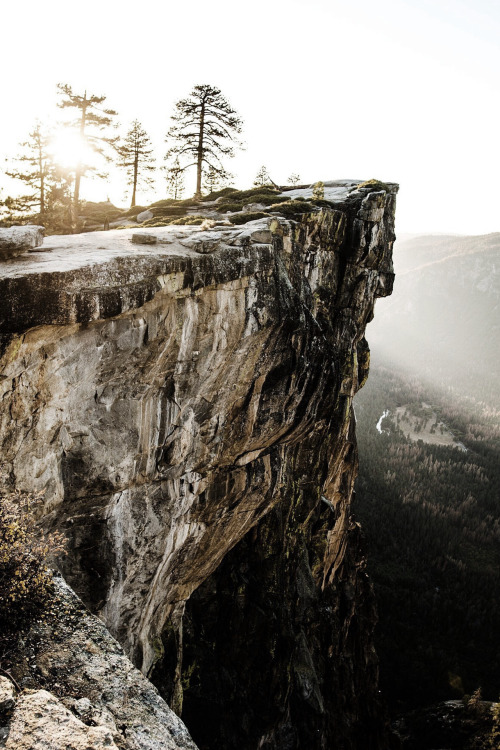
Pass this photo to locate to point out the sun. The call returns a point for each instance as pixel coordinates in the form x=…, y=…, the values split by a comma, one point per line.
x=69, y=149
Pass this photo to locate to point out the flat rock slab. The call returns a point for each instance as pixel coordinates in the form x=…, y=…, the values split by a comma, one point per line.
x=17, y=240
x=83, y=277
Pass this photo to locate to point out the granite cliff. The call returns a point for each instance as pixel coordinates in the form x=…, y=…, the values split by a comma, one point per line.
x=187, y=406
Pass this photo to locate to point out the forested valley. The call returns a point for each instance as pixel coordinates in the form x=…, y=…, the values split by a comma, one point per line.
x=431, y=518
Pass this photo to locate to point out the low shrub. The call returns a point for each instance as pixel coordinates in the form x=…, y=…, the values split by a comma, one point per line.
x=242, y=218
x=167, y=222
x=97, y=213
x=224, y=207
x=190, y=220
x=131, y=213
x=292, y=209
x=167, y=211
x=159, y=222
x=164, y=202
x=266, y=199
x=262, y=198
x=249, y=196
x=216, y=194
x=318, y=190
x=25, y=579
x=374, y=185
x=322, y=203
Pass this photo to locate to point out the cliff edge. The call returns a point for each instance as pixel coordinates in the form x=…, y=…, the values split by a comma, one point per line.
x=184, y=397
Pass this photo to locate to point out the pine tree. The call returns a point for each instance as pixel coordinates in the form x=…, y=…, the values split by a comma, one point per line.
x=35, y=170
x=175, y=180
x=216, y=180
x=92, y=121
x=294, y=179
x=204, y=129
x=58, y=211
x=262, y=177
x=136, y=157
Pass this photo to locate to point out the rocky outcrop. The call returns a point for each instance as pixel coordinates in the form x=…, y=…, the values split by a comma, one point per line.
x=76, y=689
x=17, y=240
x=41, y=721
x=188, y=407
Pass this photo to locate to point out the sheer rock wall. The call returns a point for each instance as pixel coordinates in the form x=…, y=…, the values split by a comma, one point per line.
x=187, y=406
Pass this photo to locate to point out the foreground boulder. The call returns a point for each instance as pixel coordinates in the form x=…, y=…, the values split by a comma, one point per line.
x=75, y=688
x=17, y=240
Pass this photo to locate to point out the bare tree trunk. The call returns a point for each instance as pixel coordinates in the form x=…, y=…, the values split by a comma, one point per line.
x=200, y=152
x=136, y=172
x=42, y=182
x=79, y=168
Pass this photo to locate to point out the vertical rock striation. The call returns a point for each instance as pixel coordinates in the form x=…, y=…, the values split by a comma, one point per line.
x=189, y=409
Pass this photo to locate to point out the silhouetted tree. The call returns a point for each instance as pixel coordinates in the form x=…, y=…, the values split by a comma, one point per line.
x=294, y=179
x=175, y=180
x=262, y=177
x=205, y=127
x=35, y=167
x=92, y=122
x=58, y=210
x=216, y=180
x=136, y=157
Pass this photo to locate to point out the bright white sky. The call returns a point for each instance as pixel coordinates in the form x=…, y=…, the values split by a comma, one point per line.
x=399, y=90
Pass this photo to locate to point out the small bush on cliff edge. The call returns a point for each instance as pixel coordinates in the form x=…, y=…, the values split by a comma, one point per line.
x=375, y=185
x=25, y=580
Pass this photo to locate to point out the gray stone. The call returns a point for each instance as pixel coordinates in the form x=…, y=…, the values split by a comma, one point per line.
x=144, y=239
x=205, y=241
x=261, y=236
x=17, y=240
x=41, y=722
x=145, y=216
x=251, y=207
x=83, y=706
x=7, y=694
x=372, y=206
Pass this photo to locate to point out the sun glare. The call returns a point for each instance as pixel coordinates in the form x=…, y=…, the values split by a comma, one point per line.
x=69, y=149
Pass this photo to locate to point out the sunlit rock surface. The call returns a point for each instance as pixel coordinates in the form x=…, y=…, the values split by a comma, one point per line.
x=17, y=240
x=76, y=689
x=187, y=406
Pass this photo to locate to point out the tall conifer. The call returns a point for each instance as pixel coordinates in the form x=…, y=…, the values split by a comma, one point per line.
x=204, y=131
x=92, y=121
x=136, y=156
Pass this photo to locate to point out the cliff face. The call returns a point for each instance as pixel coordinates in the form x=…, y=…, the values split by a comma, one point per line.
x=188, y=408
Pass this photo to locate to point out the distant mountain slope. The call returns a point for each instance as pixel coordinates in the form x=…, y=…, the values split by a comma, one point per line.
x=443, y=320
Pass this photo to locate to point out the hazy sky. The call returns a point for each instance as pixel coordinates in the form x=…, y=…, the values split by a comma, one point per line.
x=400, y=90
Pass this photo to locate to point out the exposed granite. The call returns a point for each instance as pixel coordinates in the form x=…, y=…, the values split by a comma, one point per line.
x=178, y=400
x=78, y=690
x=17, y=240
